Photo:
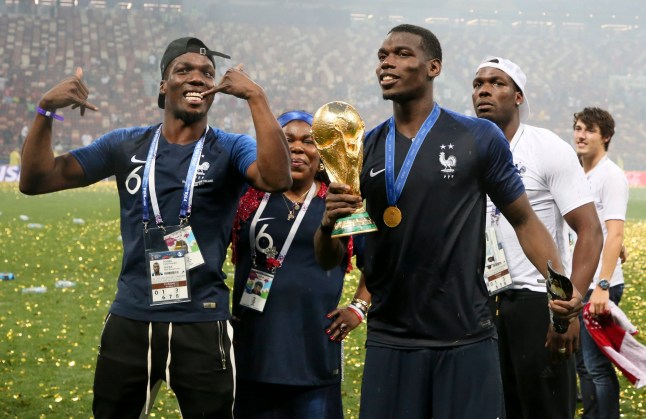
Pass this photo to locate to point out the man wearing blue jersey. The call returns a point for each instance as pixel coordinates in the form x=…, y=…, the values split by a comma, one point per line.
x=431, y=346
x=177, y=181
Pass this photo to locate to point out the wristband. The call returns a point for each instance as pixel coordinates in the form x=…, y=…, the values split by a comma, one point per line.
x=49, y=114
x=361, y=303
x=364, y=313
x=327, y=230
x=357, y=312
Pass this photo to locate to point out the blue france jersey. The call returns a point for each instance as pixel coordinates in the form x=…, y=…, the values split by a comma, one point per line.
x=286, y=343
x=220, y=177
x=426, y=274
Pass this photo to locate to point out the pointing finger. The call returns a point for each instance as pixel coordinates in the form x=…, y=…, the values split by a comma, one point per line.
x=210, y=91
x=88, y=105
x=83, y=105
x=215, y=89
x=79, y=73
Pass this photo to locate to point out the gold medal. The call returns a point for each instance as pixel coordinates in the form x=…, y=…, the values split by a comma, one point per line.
x=392, y=216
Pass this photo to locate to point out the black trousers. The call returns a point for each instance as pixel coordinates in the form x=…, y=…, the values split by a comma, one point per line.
x=201, y=370
x=533, y=387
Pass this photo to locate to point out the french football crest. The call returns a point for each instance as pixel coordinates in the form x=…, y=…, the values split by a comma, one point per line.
x=448, y=162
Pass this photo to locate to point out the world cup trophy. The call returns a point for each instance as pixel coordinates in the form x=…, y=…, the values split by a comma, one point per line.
x=337, y=129
x=559, y=287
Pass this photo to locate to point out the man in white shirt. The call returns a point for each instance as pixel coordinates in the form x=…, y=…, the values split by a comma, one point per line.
x=593, y=130
x=538, y=373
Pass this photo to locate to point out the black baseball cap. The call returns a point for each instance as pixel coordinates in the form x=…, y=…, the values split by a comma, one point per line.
x=180, y=47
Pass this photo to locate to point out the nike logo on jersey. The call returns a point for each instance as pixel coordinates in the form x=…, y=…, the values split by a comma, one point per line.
x=135, y=160
x=373, y=173
x=265, y=219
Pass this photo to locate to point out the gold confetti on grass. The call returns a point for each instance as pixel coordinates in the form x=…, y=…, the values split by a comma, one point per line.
x=49, y=341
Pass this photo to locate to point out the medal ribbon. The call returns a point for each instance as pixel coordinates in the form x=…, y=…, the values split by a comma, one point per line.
x=148, y=181
x=292, y=231
x=394, y=188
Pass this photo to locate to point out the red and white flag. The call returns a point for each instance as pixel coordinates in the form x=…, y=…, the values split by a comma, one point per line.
x=614, y=335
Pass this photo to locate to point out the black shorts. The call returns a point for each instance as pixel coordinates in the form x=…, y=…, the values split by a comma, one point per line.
x=201, y=368
x=440, y=383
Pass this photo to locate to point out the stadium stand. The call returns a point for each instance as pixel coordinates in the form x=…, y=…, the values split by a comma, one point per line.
x=568, y=66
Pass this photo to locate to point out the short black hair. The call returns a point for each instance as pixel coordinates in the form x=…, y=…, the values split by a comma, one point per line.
x=430, y=44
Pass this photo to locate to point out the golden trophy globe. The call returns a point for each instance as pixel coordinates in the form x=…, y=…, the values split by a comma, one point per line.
x=337, y=130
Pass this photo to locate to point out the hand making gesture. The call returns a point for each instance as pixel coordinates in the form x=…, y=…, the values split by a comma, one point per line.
x=69, y=92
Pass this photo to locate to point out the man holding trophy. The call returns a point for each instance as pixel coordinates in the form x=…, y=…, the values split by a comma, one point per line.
x=425, y=176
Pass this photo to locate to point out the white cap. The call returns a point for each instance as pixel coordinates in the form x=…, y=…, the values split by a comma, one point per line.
x=517, y=75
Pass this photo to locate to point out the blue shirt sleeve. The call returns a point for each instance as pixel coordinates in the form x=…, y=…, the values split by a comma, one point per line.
x=96, y=158
x=242, y=147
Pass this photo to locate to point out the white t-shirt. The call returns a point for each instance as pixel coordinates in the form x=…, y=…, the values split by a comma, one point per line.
x=555, y=185
x=610, y=188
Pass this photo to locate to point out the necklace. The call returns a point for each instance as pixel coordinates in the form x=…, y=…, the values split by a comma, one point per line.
x=290, y=211
x=295, y=205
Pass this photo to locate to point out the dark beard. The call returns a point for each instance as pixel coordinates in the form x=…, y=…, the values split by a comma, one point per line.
x=397, y=97
x=188, y=118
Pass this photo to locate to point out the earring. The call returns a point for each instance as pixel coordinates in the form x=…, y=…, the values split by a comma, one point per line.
x=321, y=167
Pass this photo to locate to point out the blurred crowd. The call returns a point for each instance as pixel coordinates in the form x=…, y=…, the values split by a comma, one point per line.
x=303, y=67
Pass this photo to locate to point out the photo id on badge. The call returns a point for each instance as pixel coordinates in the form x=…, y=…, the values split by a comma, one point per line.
x=184, y=239
x=496, y=272
x=168, y=277
x=256, y=290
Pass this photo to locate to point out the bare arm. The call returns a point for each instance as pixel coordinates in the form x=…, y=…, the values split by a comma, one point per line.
x=611, y=251
x=41, y=172
x=329, y=252
x=623, y=255
x=585, y=223
x=271, y=171
x=345, y=320
x=338, y=203
x=539, y=247
x=362, y=291
x=584, y=263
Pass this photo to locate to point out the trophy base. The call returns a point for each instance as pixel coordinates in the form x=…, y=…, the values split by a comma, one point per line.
x=357, y=223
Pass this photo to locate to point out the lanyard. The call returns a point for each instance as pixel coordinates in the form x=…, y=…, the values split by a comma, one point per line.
x=495, y=212
x=149, y=181
x=394, y=188
x=516, y=138
x=292, y=231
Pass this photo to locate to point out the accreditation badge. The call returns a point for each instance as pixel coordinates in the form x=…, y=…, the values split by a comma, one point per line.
x=496, y=272
x=184, y=239
x=256, y=290
x=168, y=277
